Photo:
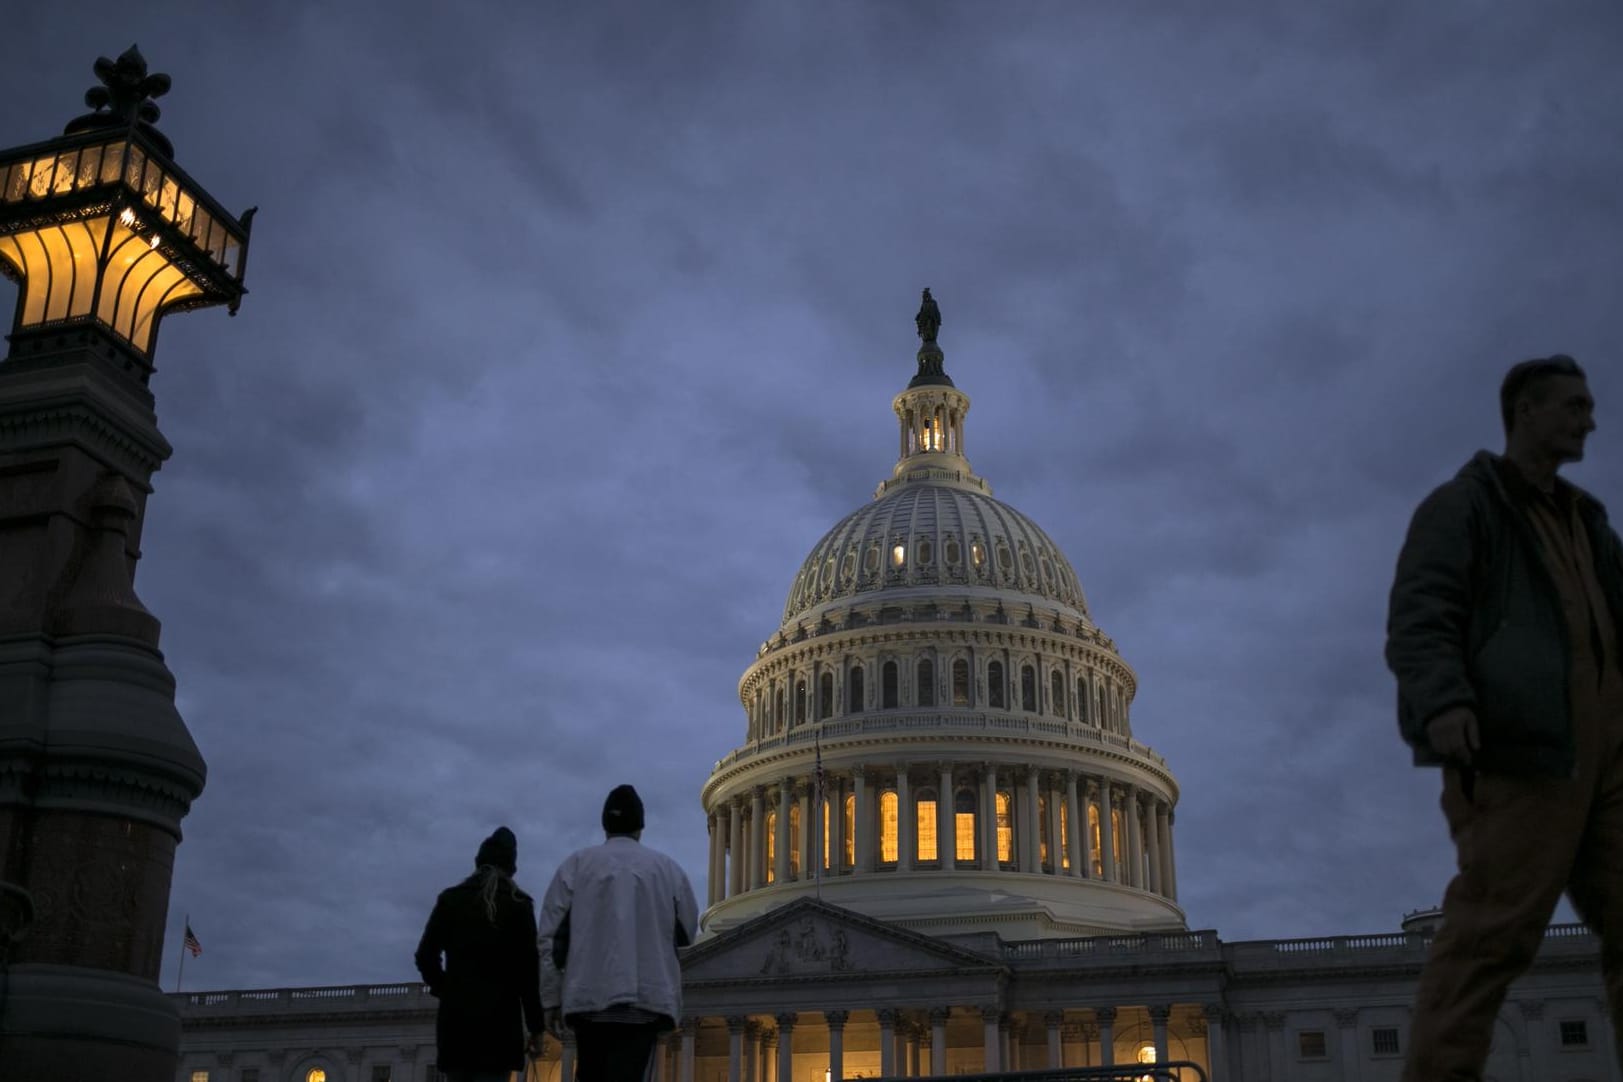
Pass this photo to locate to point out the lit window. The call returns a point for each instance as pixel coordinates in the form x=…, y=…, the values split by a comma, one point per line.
x=771, y=845
x=315, y=1074
x=1574, y=1033
x=1310, y=1044
x=960, y=682
x=889, y=838
x=794, y=840
x=1044, y=850
x=1097, y=861
x=898, y=554
x=828, y=817
x=977, y=553
x=200, y=1076
x=1146, y=1053
x=1384, y=1041
x=1065, y=835
x=850, y=829
x=963, y=812
x=1118, y=839
x=1005, y=827
x=927, y=823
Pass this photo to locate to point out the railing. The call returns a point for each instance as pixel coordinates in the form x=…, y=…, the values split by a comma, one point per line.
x=1172, y=1071
x=1265, y=952
x=324, y=996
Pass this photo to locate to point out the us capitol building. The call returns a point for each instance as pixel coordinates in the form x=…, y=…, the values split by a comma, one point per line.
x=941, y=848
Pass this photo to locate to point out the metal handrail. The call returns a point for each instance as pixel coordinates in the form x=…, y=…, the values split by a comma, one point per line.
x=1172, y=1071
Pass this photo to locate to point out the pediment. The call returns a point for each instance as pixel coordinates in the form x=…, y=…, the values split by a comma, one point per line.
x=810, y=938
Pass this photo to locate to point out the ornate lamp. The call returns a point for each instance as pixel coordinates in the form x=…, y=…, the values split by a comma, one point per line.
x=104, y=235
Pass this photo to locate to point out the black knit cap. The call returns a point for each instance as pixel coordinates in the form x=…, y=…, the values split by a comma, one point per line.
x=622, y=811
x=500, y=850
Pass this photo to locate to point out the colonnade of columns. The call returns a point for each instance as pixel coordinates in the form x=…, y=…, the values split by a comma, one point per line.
x=1027, y=816
x=914, y=1043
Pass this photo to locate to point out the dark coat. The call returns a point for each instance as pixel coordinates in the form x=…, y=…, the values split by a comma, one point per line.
x=489, y=985
x=1475, y=619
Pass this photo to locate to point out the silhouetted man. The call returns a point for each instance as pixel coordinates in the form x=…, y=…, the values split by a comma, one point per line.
x=1503, y=633
x=610, y=926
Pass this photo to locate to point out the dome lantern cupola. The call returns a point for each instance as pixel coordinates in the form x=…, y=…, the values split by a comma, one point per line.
x=930, y=413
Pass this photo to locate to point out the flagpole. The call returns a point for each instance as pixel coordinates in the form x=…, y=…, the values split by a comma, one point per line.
x=179, y=972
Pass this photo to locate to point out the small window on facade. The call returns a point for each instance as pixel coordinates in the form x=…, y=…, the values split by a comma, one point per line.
x=926, y=552
x=977, y=553
x=963, y=814
x=1574, y=1033
x=854, y=691
x=1005, y=560
x=870, y=560
x=315, y=1074
x=1005, y=827
x=1048, y=569
x=251, y=1074
x=200, y=1076
x=1058, y=689
x=926, y=682
x=898, y=554
x=771, y=838
x=849, y=828
x=825, y=696
x=960, y=682
x=794, y=840
x=925, y=820
x=777, y=710
x=1384, y=1041
x=1310, y=1044
x=848, y=566
x=1025, y=562
x=800, y=701
x=381, y=1072
x=1044, y=849
x=889, y=826
x=1028, y=689
x=887, y=686
x=994, y=685
x=952, y=551
x=828, y=573
x=1097, y=868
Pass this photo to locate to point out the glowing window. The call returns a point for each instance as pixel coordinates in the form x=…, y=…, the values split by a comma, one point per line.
x=963, y=813
x=1146, y=1053
x=1117, y=838
x=1044, y=850
x=771, y=845
x=1096, y=858
x=960, y=682
x=1065, y=835
x=888, y=686
x=977, y=553
x=794, y=840
x=315, y=1074
x=849, y=828
x=898, y=554
x=828, y=849
x=200, y=1076
x=889, y=827
x=926, y=820
x=925, y=682
x=1005, y=826
x=854, y=701
x=994, y=685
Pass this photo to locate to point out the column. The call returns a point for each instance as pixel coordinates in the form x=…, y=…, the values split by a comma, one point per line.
x=690, y=1038
x=1055, y=855
x=769, y=1064
x=1172, y=858
x=863, y=840
x=907, y=821
x=566, y=1061
x=887, y=1042
x=993, y=1040
x=780, y=862
x=1030, y=854
x=1163, y=831
x=837, y=826
x=988, y=819
x=1154, y=824
x=1159, y=1014
x=735, y=844
x=752, y=1051
x=1056, y=1051
x=836, y=1044
x=1275, y=1021
x=735, y=1047
x=913, y=1043
x=662, y=1058
x=1009, y=1048
x=786, y=1051
x=1107, y=833
x=1135, y=840
x=757, y=857
x=946, y=826
x=810, y=830
x=938, y=1039
x=1106, y=1017
x=1080, y=842
x=1347, y=1039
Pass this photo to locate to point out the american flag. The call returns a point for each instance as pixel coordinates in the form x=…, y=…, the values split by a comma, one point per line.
x=191, y=943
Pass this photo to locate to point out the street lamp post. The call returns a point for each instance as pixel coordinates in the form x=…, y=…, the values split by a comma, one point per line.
x=104, y=235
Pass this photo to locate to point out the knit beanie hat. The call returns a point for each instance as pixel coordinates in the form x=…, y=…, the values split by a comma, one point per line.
x=622, y=811
x=500, y=850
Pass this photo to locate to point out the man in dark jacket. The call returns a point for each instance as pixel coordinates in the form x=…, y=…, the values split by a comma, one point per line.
x=1504, y=630
x=489, y=984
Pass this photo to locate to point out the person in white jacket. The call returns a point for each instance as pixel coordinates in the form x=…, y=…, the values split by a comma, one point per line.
x=611, y=923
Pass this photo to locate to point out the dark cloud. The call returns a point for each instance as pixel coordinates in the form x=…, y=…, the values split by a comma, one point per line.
x=571, y=333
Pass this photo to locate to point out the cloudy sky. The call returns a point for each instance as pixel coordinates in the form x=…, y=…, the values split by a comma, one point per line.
x=571, y=332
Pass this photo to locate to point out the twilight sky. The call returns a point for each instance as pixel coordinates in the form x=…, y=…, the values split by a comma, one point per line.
x=571, y=333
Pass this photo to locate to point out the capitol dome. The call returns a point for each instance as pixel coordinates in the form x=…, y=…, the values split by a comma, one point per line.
x=938, y=734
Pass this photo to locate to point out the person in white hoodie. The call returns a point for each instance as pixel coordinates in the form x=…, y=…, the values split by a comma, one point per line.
x=611, y=923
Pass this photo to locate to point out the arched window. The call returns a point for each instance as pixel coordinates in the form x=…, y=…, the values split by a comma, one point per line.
x=889, y=827
x=771, y=845
x=1082, y=699
x=994, y=685
x=800, y=700
x=963, y=815
x=849, y=827
x=777, y=709
x=925, y=682
x=794, y=840
x=887, y=686
x=1118, y=838
x=1045, y=851
x=926, y=820
x=854, y=691
x=960, y=682
x=1065, y=835
x=825, y=696
x=1028, y=689
x=1098, y=869
x=827, y=804
x=1058, y=689
x=1005, y=827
